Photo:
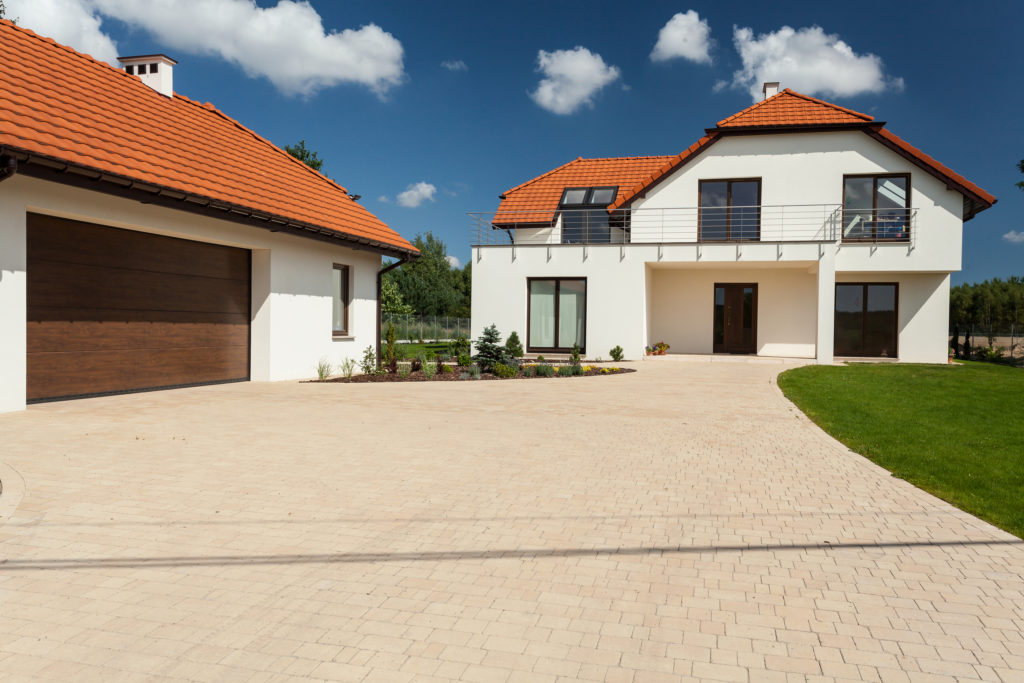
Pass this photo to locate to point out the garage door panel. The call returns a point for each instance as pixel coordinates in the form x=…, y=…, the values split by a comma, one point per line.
x=91, y=335
x=128, y=289
x=115, y=310
x=68, y=241
x=56, y=375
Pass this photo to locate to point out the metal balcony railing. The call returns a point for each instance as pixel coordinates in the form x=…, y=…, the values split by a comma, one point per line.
x=693, y=225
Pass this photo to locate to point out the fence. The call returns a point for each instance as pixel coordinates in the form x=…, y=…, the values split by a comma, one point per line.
x=1009, y=341
x=415, y=328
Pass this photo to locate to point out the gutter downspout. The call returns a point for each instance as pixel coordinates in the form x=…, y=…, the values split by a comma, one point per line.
x=380, y=309
x=8, y=169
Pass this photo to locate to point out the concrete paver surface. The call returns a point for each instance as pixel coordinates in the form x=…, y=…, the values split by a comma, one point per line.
x=682, y=522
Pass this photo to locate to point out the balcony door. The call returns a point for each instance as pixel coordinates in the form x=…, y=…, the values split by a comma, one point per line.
x=735, y=326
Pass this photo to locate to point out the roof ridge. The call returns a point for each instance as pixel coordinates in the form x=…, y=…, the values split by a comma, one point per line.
x=648, y=156
x=213, y=108
x=543, y=175
x=866, y=117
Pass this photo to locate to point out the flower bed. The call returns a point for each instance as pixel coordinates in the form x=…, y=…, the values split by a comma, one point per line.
x=527, y=371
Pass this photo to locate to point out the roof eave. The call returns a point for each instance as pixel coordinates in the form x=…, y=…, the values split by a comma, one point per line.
x=50, y=168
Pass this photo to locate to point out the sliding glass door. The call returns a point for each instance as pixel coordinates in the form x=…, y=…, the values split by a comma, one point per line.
x=866, y=319
x=556, y=315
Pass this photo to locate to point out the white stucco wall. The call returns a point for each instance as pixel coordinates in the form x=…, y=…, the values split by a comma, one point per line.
x=682, y=308
x=291, y=280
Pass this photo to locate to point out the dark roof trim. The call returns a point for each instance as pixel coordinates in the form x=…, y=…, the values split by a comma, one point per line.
x=58, y=171
x=642, y=194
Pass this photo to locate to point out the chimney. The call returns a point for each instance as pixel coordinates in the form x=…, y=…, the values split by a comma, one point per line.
x=156, y=71
x=770, y=89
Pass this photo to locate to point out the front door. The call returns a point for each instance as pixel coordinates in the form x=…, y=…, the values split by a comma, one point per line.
x=735, y=326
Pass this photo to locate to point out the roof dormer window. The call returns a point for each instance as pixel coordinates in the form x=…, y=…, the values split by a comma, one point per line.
x=588, y=196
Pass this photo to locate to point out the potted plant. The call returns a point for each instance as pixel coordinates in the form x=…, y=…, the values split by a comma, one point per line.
x=660, y=348
x=648, y=350
x=952, y=353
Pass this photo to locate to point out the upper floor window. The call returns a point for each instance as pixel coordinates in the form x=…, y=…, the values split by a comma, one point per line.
x=584, y=213
x=876, y=207
x=730, y=210
x=340, y=297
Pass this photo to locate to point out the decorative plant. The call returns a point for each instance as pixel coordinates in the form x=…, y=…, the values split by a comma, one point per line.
x=464, y=360
x=544, y=370
x=617, y=354
x=513, y=346
x=429, y=370
x=489, y=350
x=460, y=346
x=323, y=369
x=404, y=370
x=565, y=370
x=369, y=363
x=505, y=371
x=660, y=348
x=390, y=359
x=648, y=350
x=540, y=359
x=347, y=367
x=474, y=372
x=417, y=362
x=574, y=357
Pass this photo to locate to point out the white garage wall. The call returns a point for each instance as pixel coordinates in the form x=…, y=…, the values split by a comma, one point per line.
x=682, y=308
x=291, y=280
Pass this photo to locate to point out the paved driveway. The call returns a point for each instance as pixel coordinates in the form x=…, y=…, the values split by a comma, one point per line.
x=681, y=522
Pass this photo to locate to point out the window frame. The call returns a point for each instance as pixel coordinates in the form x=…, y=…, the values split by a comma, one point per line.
x=874, y=208
x=558, y=290
x=864, y=318
x=346, y=300
x=584, y=209
x=728, y=207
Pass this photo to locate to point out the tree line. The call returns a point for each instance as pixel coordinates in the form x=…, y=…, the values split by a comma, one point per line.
x=985, y=308
x=430, y=285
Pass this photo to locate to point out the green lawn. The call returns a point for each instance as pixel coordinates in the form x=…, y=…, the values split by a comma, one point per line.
x=955, y=431
x=413, y=350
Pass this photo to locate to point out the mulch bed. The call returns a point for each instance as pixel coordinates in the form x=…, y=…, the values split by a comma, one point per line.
x=455, y=376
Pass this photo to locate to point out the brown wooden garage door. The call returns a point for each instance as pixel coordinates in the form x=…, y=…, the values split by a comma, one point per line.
x=114, y=310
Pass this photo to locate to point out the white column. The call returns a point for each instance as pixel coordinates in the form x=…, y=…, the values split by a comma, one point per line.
x=826, y=304
x=13, y=314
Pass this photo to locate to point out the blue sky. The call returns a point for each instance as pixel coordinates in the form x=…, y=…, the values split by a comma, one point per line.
x=945, y=76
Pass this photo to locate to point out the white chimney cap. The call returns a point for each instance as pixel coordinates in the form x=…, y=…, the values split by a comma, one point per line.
x=156, y=71
x=770, y=89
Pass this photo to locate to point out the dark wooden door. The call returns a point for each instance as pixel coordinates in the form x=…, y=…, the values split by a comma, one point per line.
x=112, y=310
x=735, y=324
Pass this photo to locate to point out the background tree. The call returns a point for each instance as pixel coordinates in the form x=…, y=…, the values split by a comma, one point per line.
x=307, y=156
x=987, y=308
x=429, y=284
x=391, y=299
x=1020, y=164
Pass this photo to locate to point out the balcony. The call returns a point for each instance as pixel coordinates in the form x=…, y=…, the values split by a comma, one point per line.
x=770, y=224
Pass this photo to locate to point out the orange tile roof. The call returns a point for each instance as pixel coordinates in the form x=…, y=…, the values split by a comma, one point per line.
x=536, y=201
x=789, y=108
x=61, y=104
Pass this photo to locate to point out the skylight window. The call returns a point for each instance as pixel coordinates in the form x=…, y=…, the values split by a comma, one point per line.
x=588, y=196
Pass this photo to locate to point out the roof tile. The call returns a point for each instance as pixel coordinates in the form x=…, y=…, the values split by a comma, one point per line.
x=60, y=103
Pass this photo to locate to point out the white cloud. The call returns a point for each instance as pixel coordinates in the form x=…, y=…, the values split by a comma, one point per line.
x=286, y=43
x=70, y=22
x=416, y=194
x=455, y=65
x=452, y=261
x=807, y=60
x=1014, y=237
x=383, y=199
x=686, y=36
x=571, y=79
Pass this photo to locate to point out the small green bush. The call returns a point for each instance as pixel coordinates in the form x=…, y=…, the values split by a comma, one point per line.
x=544, y=370
x=369, y=362
x=323, y=369
x=504, y=371
x=489, y=349
x=474, y=372
x=464, y=360
x=390, y=359
x=617, y=354
x=445, y=368
x=429, y=370
x=347, y=367
x=577, y=370
x=529, y=371
x=460, y=346
x=540, y=359
x=404, y=369
x=574, y=357
x=514, y=347
x=565, y=371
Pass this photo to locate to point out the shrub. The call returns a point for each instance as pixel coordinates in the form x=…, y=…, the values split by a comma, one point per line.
x=529, y=371
x=390, y=359
x=992, y=354
x=460, y=346
x=445, y=368
x=489, y=350
x=544, y=370
x=404, y=370
x=323, y=369
x=464, y=360
x=474, y=372
x=574, y=357
x=429, y=370
x=417, y=362
x=369, y=363
x=617, y=354
x=514, y=347
x=540, y=359
x=505, y=371
x=565, y=370
x=347, y=366
x=464, y=376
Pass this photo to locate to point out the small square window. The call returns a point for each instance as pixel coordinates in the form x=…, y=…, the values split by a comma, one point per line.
x=130, y=69
x=602, y=195
x=574, y=196
x=153, y=68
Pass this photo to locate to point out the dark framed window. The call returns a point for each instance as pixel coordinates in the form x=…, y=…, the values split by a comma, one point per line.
x=556, y=314
x=341, y=300
x=876, y=207
x=585, y=218
x=730, y=210
x=867, y=319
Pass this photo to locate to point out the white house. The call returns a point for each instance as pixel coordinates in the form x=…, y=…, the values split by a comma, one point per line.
x=149, y=241
x=794, y=228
